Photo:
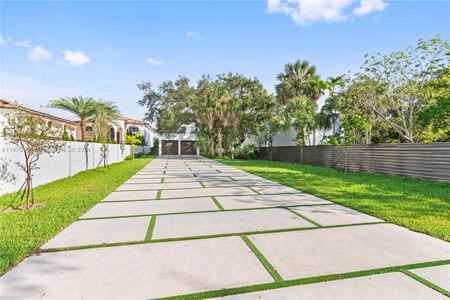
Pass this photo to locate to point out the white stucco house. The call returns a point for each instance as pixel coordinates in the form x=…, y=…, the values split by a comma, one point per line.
x=59, y=124
x=182, y=143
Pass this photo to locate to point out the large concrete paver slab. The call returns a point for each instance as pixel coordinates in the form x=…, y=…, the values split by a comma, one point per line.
x=158, y=186
x=143, y=180
x=133, y=208
x=329, y=215
x=92, y=232
x=229, y=182
x=392, y=286
x=257, y=201
x=136, y=271
x=439, y=275
x=175, y=226
x=204, y=192
x=132, y=195
x=346, y=249
x=271, y=189
x=146, y=176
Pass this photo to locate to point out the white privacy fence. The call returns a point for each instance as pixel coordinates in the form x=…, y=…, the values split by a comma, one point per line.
x=69, y=161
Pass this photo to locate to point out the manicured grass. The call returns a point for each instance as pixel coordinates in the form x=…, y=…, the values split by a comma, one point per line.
x=420, y=205
x=66, y=200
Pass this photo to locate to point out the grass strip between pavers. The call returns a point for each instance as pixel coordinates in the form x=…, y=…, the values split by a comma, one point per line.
x=267, y=265
x=217, y=203
x=202, y=184
x=151, y=228
x=427, y=283
x=249, y=187
x=302, y=281
x=158, y=195
x=199, y=212
x=303, y=217
x=199, y=237
x=162, y=180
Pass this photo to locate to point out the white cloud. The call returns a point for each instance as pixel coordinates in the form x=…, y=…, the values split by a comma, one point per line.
x=191, y=34
x=304, y=12
x=39, y=53
x=76, y=58
x=153, y=61
x=23, y=43
x=369, y=6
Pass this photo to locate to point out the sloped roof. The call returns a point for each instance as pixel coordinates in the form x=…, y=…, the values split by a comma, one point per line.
x=7, y=104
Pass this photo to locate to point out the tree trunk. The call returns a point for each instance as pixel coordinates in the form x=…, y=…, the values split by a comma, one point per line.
x=83, y=129
x=211, y=145
x=219, y=141
x=314, y=137
x=28, y=185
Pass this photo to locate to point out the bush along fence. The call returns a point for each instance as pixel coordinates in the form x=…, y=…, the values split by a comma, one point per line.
x=74, y=157
x=427, y=161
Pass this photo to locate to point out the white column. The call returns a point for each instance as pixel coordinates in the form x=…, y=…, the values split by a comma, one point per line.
x=160, y=147
x=179, y=146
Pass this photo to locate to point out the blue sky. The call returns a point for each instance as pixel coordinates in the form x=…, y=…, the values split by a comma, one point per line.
x=103, y=49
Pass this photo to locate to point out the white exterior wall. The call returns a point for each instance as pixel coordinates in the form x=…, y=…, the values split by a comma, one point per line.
x=68, y=162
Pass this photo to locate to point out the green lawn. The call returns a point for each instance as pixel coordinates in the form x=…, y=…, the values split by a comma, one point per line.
x=420, y=205
x=66, y=200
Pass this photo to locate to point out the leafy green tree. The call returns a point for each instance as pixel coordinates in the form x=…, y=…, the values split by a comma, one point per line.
x=299, y=114
x=34, y=138
x=82, y=107
x=404, y=77
x=134, y=140
x=329, y=113
x=169, y=105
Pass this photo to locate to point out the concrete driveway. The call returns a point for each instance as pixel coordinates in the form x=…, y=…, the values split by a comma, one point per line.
x=186, y=225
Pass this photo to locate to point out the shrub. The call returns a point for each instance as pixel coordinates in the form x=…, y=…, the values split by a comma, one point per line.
x=248, y=152
x=129, y=157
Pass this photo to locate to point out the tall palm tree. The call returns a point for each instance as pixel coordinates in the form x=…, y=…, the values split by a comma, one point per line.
x=105, y=114
x=298, y=79
x=80, y=106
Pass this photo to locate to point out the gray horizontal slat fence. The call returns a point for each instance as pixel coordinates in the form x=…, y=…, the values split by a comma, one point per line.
x=426, y=161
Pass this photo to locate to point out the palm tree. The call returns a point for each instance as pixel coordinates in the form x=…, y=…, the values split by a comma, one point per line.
x=298, y=79
x=105, y=115
x=329, y=113
x=82, y=107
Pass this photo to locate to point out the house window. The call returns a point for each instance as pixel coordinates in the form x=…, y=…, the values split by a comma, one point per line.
x=133, y=130
x=89, y=129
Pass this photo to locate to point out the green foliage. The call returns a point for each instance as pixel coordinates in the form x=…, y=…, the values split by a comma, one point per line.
x=225, y=110
x=65, y=136
x=64, y=201
x=299, y=113
x=80, y=106
x=419, y=205
x=403, y=81
x=34, y=138
x=129, y=157
x=248, y=151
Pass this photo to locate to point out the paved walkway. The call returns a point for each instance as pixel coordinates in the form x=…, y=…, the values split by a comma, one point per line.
x=185, y=225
